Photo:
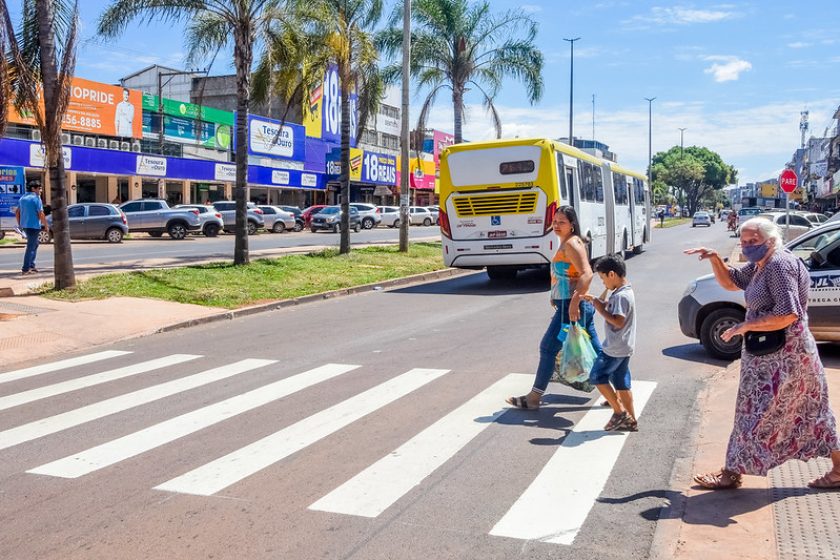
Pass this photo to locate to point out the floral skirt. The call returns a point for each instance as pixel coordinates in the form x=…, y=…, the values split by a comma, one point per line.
x=782, y=411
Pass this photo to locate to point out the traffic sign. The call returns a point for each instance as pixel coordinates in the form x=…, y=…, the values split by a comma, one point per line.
x=787, y=180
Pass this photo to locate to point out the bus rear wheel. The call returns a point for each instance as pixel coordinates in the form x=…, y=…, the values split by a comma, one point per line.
x=501, y=272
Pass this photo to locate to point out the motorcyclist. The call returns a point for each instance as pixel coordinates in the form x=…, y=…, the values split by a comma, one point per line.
x=732, y=221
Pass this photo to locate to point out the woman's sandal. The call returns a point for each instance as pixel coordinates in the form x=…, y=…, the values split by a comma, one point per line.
x=616, y=420
x=718, y=481
x=521, y=403
x=629, y=425
x=825, y=483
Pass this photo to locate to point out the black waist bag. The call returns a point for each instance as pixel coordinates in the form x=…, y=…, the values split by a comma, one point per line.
x=763, y=343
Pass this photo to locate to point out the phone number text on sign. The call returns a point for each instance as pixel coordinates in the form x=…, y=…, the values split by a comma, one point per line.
x=84, y=122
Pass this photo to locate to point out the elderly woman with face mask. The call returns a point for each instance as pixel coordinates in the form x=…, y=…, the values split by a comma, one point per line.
x=782, y=410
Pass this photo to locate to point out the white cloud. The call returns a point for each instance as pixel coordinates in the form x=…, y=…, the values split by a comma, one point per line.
x=681, y=16
x=530, y=8
x=726, y=68
x=799, y=45
x=757, y=140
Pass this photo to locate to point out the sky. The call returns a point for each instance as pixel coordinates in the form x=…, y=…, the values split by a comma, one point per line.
x=734, y=75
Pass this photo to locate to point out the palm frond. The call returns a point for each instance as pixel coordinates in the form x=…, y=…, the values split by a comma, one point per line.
x=120, y=13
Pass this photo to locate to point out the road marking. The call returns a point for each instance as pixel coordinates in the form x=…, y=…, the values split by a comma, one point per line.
x=556, y=504
x=375, y=489
x=141, y=441
x=225, y=471
x=62, y=364
x=72, y=418
x=18, y=399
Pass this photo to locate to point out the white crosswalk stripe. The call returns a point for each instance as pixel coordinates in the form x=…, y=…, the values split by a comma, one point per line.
x=225, y=471
x=59, y=365
x=59, y=422
x=33, y=395
x=574, y=477
x=154, y=436
x=376, y=488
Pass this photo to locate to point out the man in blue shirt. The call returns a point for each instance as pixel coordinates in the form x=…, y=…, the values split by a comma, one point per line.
x=30, y=216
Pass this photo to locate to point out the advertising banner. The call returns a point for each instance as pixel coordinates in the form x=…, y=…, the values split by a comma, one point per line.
x=266, y=137
x=422, y=173
x=365, y=167
x=97, y=108
x=12, y=187
x=768, y=190
x=440, y=140
x=187, y=131
x=324, y=117
x=187, y=110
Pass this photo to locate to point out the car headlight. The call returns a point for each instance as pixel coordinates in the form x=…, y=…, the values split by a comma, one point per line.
x=692, y=286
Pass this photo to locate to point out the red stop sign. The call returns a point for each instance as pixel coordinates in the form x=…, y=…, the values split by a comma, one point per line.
x=787, y=180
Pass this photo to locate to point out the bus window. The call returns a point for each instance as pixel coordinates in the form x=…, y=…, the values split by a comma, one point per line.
x=588, y=191
x=620, y=188
x=638, y=191
x=561, y=178
x=598, y=180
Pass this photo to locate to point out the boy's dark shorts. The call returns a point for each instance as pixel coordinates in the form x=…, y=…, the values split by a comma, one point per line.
x=608, y=369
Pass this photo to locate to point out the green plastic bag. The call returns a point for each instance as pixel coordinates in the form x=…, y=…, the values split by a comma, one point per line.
x=575, y=360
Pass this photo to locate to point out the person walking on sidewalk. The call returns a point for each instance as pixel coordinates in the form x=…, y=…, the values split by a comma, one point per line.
x=782, y=410
x=570, y=278
x=30, y=217
x=611, y=370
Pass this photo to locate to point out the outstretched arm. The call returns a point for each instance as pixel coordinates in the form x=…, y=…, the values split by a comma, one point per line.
x=720, y=268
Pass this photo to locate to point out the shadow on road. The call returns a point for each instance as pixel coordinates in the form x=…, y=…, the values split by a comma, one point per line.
x=693, y=352
x=479, y=284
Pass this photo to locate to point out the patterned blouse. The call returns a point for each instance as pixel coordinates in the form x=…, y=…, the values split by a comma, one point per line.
x=781, y=288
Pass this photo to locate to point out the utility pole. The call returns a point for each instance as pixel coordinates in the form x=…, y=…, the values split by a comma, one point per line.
x=404, y=151
x=593, y=120
x=650, y=143
x=682, y=130
x=571, y=88
x=160, y=86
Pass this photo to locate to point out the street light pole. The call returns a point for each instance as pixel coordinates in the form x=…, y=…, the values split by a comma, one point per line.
x=160, y=85
x=682, y=130
x=404, y=149
x=571, y=87
x=650, y=143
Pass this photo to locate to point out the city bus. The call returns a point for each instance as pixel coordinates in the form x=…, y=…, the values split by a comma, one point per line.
x=498, y=198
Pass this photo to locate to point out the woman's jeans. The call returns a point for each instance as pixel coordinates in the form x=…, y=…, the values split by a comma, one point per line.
x=31, y=248
x=550, y=346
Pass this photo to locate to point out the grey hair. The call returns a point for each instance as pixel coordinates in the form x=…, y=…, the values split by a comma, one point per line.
x=766, y=229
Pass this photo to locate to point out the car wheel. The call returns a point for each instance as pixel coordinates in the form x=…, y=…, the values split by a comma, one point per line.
x=114, y=235
x=501, y=272
x=279, y=227
x=177, y=231
x=396, y=223
x=427, y=222
x=714, y=326
x=211, y=230
x=44, y=236
x=367, y=223
x=298, y=226
x=252, y=228
x=313, y=229
x=156, y=233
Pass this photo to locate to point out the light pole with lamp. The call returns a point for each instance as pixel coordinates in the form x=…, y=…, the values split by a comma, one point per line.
x=571, y=87
x=650, y=142
x=682, y=130
x=405, y=184
x=160, y=86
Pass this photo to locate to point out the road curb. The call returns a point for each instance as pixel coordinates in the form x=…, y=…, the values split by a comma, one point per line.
x=291, y=302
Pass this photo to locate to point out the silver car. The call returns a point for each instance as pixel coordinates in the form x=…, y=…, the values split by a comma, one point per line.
x=228, y=210
x=368, y=213
x=419, y=215
x=389, y=215
x=209, y=218
x=276, y=219
x=92, y=221
x=701, y=218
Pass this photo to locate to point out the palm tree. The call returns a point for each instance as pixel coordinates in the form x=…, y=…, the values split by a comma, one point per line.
x=212, y=24
x=458, y=45
x=40, y=59
x=343, y=29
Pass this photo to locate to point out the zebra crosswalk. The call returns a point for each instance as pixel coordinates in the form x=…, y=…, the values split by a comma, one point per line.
x=367, y=494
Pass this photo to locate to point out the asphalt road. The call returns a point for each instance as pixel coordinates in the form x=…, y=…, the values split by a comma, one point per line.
x=178, y=499
x=195, y=247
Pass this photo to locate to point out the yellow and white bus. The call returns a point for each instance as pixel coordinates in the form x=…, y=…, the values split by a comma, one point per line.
x=498, y=198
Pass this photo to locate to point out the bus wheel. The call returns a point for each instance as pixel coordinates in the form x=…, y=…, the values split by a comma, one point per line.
x=638, y=249
x=501, y=272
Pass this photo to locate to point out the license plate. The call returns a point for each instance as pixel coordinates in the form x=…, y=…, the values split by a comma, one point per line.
x=496, y=234
x=491, y=247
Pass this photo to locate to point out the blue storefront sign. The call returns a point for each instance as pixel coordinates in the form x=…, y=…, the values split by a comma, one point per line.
x=271, y=138
x=366, y=166
x=114, y=162
x=12, y=187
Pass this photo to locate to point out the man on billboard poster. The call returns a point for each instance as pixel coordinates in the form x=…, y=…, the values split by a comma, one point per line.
x=124, y=116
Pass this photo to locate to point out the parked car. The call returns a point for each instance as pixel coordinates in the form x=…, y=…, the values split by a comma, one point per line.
x=419, y=215
x=390, y=215
x=155, y=217
x=707, y=309
x=210, y=218
x=276, y=219
x=368, y=213
x=798, y=224
x=92, y=221
x=435, y=210
x=300, y=223
x=329, y=218
x=228, y=210
x=311, y=211
x=701, y=218
x=815, y=218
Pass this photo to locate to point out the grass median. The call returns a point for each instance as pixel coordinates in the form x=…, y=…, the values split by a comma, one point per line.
x=229, y=286
x=671, y=222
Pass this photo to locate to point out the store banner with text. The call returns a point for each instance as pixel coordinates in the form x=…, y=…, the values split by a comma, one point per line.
x=267, y=137
x=96, y=108
x=187, y=110
x=323, y=120
x=365, y=167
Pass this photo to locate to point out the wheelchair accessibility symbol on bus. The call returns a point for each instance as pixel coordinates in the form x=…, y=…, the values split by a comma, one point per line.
x=495, y=220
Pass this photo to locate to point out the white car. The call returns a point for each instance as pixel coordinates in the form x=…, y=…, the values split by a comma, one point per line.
x=707, y=309
x=368, y=213
x=701, y=218
x=798, y=224
x=276, y=219
x=418, y=215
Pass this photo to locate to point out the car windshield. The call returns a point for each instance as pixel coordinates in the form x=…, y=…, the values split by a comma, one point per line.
x=330, y=210
x=701, y=214
x=804, y=248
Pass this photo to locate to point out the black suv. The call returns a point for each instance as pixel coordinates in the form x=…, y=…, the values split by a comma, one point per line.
x=329, y=218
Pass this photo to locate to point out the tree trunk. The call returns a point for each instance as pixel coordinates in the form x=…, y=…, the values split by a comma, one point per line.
x=64, y=275
x=458, y=103
x=243, y=57
x=344, y=76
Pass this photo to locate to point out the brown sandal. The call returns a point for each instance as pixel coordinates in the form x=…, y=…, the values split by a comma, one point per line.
x=721, y=480
x=521, y=403
x=825, y=482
